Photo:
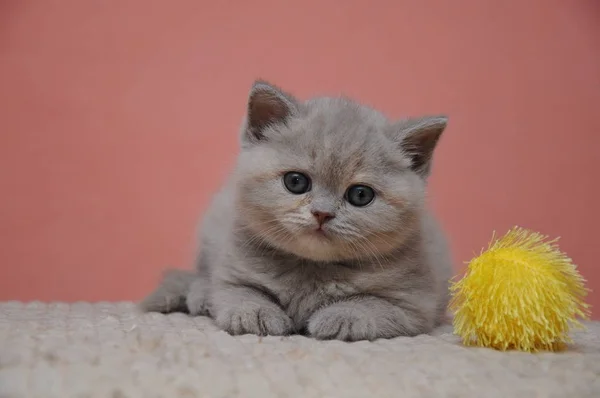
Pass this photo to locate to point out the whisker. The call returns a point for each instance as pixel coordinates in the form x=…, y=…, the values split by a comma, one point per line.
x=257, y=224
x=373, y=250
x=259, y=236
x=356, y=253
x=385, y=239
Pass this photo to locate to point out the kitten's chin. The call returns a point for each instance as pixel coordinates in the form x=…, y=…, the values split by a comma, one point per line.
x=326, y=248
x=316, y=247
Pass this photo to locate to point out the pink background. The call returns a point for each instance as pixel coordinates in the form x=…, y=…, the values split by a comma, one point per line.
x=119, y=119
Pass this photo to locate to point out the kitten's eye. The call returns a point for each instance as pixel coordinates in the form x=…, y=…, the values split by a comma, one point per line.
x=296, y=183
x=360, y=195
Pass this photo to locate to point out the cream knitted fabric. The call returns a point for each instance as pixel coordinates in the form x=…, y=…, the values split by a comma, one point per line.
x=111, y=350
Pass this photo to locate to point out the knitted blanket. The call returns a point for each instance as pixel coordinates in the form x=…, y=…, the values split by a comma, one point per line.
x=111, y=350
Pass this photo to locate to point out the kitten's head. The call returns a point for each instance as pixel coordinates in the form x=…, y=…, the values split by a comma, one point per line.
x=329, y=179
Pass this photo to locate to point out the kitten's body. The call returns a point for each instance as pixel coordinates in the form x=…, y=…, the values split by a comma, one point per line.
x=375, y=271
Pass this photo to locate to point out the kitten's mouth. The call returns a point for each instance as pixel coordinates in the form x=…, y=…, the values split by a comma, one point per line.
x=320, y=232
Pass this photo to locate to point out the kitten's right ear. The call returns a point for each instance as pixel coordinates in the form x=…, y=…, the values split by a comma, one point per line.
x=267, y=105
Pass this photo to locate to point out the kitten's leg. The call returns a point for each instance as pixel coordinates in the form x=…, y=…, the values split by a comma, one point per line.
x=367, y=318
x=170, y=295
x=196, y=300
x=241, y=310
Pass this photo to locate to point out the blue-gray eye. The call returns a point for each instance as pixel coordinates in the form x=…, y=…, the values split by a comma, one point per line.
x=360, y=195
x=296, y=183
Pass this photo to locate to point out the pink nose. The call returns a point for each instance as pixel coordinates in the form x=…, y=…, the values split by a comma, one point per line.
x=322, y=216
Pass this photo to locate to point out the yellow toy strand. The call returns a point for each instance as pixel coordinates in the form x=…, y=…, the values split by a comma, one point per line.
x=521, y=293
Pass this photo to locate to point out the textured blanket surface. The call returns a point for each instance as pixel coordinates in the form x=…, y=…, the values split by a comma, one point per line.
x=111, y=350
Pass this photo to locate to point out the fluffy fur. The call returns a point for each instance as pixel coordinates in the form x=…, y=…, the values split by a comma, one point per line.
x=264, y=267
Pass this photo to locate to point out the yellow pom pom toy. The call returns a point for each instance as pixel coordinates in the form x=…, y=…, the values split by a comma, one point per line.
x=522, y=293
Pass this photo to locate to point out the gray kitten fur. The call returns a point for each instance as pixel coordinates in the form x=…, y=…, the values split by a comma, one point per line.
x=379, y=271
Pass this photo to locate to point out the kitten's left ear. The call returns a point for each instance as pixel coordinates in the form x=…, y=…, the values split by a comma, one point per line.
x=418, y=138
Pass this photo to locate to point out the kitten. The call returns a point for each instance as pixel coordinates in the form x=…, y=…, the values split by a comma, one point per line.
x=322, y=227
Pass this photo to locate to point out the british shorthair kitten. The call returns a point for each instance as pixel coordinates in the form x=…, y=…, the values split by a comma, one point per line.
x=322, y=228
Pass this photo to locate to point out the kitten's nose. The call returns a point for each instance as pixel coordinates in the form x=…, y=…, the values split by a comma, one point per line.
x=322, y=216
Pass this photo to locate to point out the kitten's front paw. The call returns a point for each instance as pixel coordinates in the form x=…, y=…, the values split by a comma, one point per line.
x=165, y=301
x=196, y=299
x=342, y=323
x=255, y=319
